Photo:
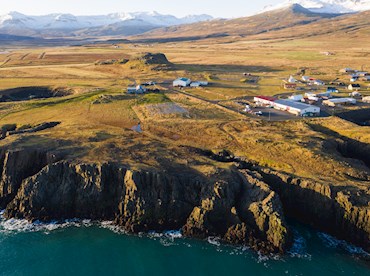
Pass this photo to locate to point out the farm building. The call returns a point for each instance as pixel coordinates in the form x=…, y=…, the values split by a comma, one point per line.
x=354, y=86
x=366, y=99
x=136, y=90
x=297, y=108
x=181, y=82
x=339, y=101
x=264, y=100
x=296, y=98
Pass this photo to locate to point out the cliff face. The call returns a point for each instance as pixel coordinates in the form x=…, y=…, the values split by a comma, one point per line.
x=340, y=211
x=242, y=206
x=229, y=205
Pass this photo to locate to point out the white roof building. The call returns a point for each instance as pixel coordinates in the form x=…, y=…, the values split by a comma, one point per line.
x=182, y=82
x=296, y=108
x=338, y=101
x=296, y=98
x=292, y=79
x=366, y=99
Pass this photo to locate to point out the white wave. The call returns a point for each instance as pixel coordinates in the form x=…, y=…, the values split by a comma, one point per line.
x=214, y=241
x=332, y=242
x=21, y=225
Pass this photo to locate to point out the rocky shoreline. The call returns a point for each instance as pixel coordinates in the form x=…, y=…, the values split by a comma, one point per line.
x=245, y=205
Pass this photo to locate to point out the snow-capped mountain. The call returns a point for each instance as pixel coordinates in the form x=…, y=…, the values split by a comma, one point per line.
x=326, y=6
x=15, y=20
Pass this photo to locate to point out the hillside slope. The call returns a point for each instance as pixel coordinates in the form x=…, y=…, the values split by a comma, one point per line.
x=292, y=22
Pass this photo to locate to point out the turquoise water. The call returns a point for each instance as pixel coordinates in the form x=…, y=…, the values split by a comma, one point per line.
x=81, y=248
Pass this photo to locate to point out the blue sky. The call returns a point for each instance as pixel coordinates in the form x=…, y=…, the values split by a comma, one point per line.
x=217, y=8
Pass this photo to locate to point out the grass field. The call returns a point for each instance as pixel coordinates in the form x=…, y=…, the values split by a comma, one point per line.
x=96, y=120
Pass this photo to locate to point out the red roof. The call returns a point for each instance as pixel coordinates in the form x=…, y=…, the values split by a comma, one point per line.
x=267, y=98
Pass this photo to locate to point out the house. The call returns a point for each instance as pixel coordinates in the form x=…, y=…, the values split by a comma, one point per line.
x=264, y=100
x=296, y=98
x=305, y=78
x=288, y=85
x=354, y=86
x=332, y=90
x=365, y=78
x=346, y=70
x=297, y=108
x=339, y=101
x=292, y=79
x=136, y=90
x=366, y=99
x=181, y=82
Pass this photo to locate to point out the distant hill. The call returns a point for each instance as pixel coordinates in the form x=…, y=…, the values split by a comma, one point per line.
x=294, y=15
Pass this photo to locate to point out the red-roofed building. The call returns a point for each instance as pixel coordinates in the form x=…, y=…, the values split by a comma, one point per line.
x=264, y=100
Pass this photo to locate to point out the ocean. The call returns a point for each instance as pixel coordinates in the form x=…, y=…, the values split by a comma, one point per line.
x=86, y=248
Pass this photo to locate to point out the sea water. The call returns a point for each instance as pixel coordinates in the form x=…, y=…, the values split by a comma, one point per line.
x=85, y=248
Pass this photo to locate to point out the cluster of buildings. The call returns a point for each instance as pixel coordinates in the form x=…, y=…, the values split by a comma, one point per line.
x=291, y=83
x=185, y=82
x=294, y=107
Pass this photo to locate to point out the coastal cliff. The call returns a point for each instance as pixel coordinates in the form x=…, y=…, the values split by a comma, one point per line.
x=229, y=205
x=245, y=205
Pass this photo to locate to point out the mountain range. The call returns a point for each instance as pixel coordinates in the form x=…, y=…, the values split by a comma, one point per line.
x=15, y=23
x=152, y=25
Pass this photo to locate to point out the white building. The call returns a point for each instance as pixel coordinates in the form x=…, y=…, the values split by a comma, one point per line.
x=296, y=98
x=181, y=82
x=318, y=82
x=339, y=101
x=366, y=99
x=264, y=100
x=306, y=78
x=136, y=90
x=297, y=108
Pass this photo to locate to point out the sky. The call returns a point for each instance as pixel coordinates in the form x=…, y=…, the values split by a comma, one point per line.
x=216, y=8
